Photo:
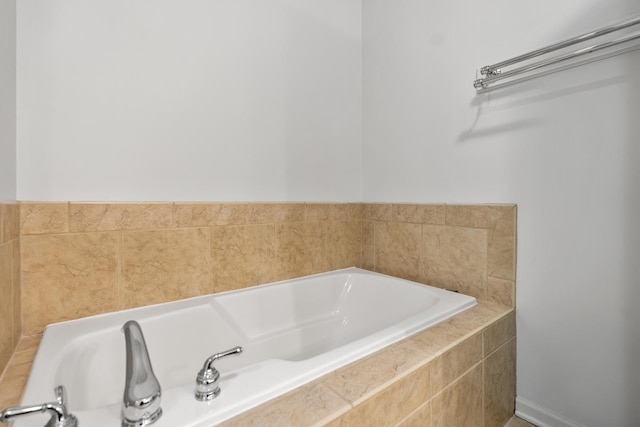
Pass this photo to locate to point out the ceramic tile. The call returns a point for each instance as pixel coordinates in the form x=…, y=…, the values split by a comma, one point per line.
x=392, y=404
x=397, y=249
x=242, y=256
x=311, y=405
x=419, y=418
x=449, y=366
x=420, y=214
x=502, y=246
x=319, y=211
x=343, y=244
x=67, y=276
x=300, y=249
x=40, y=218
x=328, y=212
x=518, y=422
x=368, y=258
x=16, y=290
x=9, y=221
x=501, y=291
x=439, y=338
x=478, y=216
x=499, y=333
x=29, y=344
x=455, y=258
x=377, y=211
x=120, y=216
x=210, y=214
x=166, y=265
x=475, y=318
x=500, y=385
x=460, y=404
x=359, y=381
x=355, y=210
x=268, y=213
x=6, y=305
x=14, y=378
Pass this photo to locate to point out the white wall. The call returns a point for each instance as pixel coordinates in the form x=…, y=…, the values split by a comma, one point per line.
x=7, y=100
x=198, y=100
x=564, y=147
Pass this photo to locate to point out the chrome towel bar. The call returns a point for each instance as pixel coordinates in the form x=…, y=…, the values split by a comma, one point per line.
x=495, y=72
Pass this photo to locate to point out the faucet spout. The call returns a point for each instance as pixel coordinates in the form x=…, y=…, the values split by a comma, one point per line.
x=141, y=401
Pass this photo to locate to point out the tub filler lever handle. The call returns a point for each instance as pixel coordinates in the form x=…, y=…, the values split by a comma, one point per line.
x=141, y=400
x=207, y=380
x=60, y=416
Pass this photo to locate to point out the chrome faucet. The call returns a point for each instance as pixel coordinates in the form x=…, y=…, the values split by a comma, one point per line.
x=207, y=387
x=60, y=416
x=141, y=401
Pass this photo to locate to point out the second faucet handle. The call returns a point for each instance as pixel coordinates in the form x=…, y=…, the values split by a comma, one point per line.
x=207, y=380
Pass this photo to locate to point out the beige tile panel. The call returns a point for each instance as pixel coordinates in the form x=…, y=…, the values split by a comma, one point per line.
x=242, y=256
x=479, y=216
x=476, y=317
x=120, y=216
x=368, y=258
x=460, y=404
x=440, y=338
x=29, y=344
x=343, y=244
x=500, y=385
x=419, y=213
x=269, y=213
x=449, y=366
x=16, y=291
x=310, y=405
x=392, y=404
x=300, y=249
x=499, y=333
x=502, y=246
x=501, y=291
x=41, y=218
x=377, y=211
x=6, y=305
x=210, y=214
x=455, y=258
x=13, y=380
x=165, y=265
x=397, y=249
x=518, y=422
x=67, y=276
x=500, y=220
x=321, y=212
x=9, y=221
x=419, y=418
x=355, y=210
x=360, y=381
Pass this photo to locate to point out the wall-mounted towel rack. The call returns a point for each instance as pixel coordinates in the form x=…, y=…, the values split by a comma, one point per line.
x=496, y=73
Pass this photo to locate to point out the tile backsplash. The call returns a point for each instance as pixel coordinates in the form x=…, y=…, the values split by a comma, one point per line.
x=74, y=260
x=9, y=280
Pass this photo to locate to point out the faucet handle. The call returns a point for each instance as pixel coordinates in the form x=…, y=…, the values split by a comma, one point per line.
x=207, y=380
x=60, y=416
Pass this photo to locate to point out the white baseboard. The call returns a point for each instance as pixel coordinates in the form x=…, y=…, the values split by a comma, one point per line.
x=542, y=417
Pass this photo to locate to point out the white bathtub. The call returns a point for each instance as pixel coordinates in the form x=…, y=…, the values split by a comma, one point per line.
x=292, y=332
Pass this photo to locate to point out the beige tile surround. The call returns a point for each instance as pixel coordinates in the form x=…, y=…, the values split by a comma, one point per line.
x=10, y=314
x=80, y=259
